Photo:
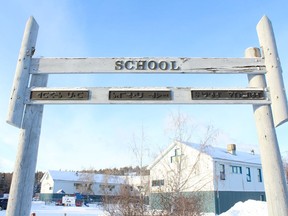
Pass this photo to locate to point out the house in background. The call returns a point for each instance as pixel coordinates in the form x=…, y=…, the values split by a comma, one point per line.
x=222, y=177
x=56, y=184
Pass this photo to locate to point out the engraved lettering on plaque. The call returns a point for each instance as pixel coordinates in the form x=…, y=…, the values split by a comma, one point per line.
x=139, y=95
x=59, y=95
x=228, y=95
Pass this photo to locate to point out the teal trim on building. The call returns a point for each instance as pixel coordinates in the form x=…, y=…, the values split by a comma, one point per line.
x=157, y=200
x=213, y=201
x=224, y=200
x=48, y=197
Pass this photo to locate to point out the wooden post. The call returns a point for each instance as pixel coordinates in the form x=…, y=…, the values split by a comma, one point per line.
x=273, y=172
x=21, y=191
x=21, y=78
x=274, y=77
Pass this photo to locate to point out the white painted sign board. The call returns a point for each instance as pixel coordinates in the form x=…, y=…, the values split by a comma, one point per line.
x=148, y=65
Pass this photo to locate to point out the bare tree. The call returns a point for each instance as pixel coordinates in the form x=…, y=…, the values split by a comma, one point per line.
x=132, y=197
x=178, y=172
x=181, y=172
x=110, y=193
x=180, y=127
x=140, y=150
x=124, y=200
x=85, y=182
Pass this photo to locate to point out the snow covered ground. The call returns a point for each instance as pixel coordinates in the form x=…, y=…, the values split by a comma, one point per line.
x=51, y=210
x=248, y=208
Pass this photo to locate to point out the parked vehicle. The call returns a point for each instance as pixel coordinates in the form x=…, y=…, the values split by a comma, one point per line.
x=3, y=203
x=68, y=200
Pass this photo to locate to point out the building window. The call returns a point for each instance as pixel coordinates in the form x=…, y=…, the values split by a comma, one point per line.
x=157, y=182
x=248, y=174
x=236, y=169
x=259, y=175
x=177, y=152
x=222, y=171
x=177, y=155
x=77, y=186
x=107, y=187
x=140, y=188
x=262, y=197
x=127, y=187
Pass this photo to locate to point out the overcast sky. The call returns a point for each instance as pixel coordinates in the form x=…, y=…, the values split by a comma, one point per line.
x=74, y=137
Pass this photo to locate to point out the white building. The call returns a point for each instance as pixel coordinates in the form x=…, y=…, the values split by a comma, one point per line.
x=221, y=176
x=54, y=184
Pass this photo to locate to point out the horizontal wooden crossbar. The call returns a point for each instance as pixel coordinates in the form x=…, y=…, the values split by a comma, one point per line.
x=107, y=95
x=148, y=65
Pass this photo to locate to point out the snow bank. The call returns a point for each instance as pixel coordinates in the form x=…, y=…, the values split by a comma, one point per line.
x=40, y=209
x=248, y=208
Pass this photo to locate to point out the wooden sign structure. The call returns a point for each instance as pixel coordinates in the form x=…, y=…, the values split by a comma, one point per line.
x=265, y=92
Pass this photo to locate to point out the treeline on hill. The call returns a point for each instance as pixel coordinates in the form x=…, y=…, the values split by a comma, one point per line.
x=6, y=178
x=119, y=171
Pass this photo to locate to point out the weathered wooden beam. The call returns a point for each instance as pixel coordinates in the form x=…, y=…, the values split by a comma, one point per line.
x=274, y=72
x=21, y=77
x=167, y=95
x=148, y=65
x=21, y=191
x=269, y=116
